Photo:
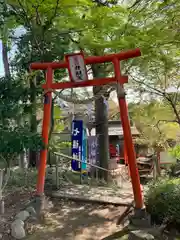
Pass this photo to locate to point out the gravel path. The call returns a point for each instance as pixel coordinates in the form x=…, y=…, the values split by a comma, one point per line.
x=77, y=221
x=68, y=220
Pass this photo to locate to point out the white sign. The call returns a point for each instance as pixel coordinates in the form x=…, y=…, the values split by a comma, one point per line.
x=77, y=68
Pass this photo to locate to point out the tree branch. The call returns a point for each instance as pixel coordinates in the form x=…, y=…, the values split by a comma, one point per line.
x=156, y=91
x=174, y=108
x=49, y=22
x=137, y=2
x=25, y=18
x=166, y=121
x=25, y=15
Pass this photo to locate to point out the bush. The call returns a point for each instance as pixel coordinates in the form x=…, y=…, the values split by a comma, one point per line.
x=163, y=201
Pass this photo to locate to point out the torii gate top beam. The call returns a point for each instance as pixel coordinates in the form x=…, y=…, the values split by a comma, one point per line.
x=89, y=60
x=114, y=58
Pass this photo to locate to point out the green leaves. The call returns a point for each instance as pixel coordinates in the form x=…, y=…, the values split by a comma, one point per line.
x=175, y=151
x=162, y=201
x=15, y=134
x=155, y=122
x=15, y=140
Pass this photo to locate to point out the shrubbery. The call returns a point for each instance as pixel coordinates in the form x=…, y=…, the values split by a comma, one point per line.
x=163, y=201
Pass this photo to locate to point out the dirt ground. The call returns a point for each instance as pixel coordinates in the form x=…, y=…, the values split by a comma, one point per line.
x=77, y=221
x=67, y=220
x=14, y=202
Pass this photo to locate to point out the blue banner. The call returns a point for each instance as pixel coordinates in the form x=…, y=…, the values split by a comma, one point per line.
x=77, y=144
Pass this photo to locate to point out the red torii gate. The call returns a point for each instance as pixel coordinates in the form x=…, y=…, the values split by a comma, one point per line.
x=119, y=79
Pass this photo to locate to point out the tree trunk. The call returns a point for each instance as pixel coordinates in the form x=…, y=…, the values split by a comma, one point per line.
x=6, y=67
x=5, y=60
x=101, y=118
x=33, y=122
x=23, y=161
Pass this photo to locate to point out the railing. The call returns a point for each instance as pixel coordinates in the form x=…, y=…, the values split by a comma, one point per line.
x=63, y=167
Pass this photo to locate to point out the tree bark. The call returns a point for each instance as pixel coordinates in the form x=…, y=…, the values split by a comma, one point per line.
x=101, y=118
x=5, y=60
x=33, y=123
x=23, y=161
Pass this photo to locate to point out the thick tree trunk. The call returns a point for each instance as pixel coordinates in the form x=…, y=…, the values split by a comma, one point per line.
x=33, y=122
x=101, y=118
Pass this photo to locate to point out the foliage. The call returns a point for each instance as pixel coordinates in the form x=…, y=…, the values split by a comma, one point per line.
x=58, y=120
x=15, y=139
x=175, y=151
x=14, y=98
x=15, y=135
x=156, y=75
x=154, y=26
x=162, y=200
x=56, y=143
x=57, y=127
x=7, y=23
x=56, y=146
x=112, y=26
x=154, y=121
x=174, y=170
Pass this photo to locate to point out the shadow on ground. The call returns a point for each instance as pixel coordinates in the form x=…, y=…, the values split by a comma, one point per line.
x=77, y=221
